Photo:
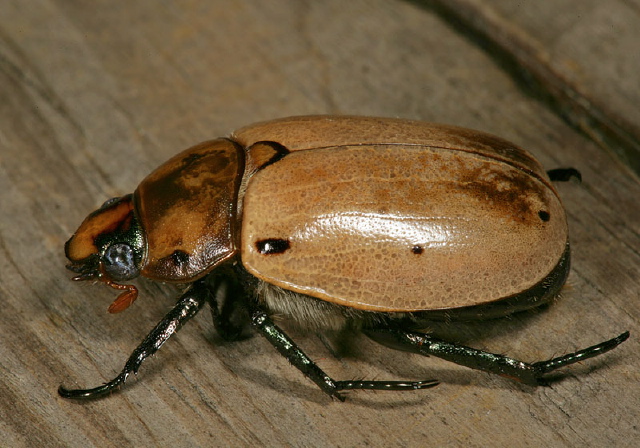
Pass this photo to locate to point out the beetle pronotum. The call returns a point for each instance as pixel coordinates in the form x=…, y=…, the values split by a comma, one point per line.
x=333, y=221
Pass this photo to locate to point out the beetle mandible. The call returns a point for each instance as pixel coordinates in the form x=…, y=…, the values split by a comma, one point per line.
x=340, y=221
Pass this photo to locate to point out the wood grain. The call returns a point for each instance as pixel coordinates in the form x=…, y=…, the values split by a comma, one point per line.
x=97, y=94
x=559, y=57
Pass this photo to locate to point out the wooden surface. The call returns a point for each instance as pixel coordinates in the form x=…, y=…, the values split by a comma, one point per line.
x=96, y=94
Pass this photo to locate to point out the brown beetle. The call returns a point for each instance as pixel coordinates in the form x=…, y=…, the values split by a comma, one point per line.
x=374, y=223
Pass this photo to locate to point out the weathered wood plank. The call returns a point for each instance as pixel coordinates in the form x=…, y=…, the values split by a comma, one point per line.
x=95, y=95
x=572, y=55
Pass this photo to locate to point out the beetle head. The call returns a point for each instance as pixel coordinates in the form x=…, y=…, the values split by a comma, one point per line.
x=109, y=246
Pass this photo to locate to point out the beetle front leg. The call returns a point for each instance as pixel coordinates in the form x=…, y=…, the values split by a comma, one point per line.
x=188, y=306
x=287, y=348
x=531, y=374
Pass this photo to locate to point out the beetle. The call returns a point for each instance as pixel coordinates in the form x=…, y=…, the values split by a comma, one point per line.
x=333, y=222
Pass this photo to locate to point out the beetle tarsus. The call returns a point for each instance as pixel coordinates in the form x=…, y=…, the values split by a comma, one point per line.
x=385, y=385
x=96, y=392
x=544, y=367
x=188, y=306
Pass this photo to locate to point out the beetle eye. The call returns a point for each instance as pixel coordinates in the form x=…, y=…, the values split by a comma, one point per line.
x=119, y=262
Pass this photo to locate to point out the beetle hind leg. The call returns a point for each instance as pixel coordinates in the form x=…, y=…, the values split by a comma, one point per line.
x=532, y=374
x=188, y=306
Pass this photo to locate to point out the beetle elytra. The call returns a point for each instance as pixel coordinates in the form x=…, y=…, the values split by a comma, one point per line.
x=335, y=221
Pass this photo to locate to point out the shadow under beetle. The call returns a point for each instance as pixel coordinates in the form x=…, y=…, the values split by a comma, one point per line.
x=336, y=221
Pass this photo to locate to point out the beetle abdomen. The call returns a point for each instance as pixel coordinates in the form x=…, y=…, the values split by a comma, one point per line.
x=401, y=227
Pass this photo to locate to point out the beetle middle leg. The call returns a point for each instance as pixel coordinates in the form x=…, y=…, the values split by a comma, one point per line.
x=229, y=301
x=528, y=373
x=285, y=345
x=188, y=306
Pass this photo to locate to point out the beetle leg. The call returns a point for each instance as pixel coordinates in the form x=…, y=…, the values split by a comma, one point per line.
x=531, y=374
x=564, y=174
x=188, y=306
x=543, y=367
x=287, y=348
x=229, y=306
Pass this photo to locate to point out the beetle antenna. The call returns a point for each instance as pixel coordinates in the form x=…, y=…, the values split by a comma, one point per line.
x=125, y=299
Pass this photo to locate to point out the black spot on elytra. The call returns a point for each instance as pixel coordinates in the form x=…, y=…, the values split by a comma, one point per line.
x=272, y=246
x=544, y=215
x=417, y=249
x=179, y=258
